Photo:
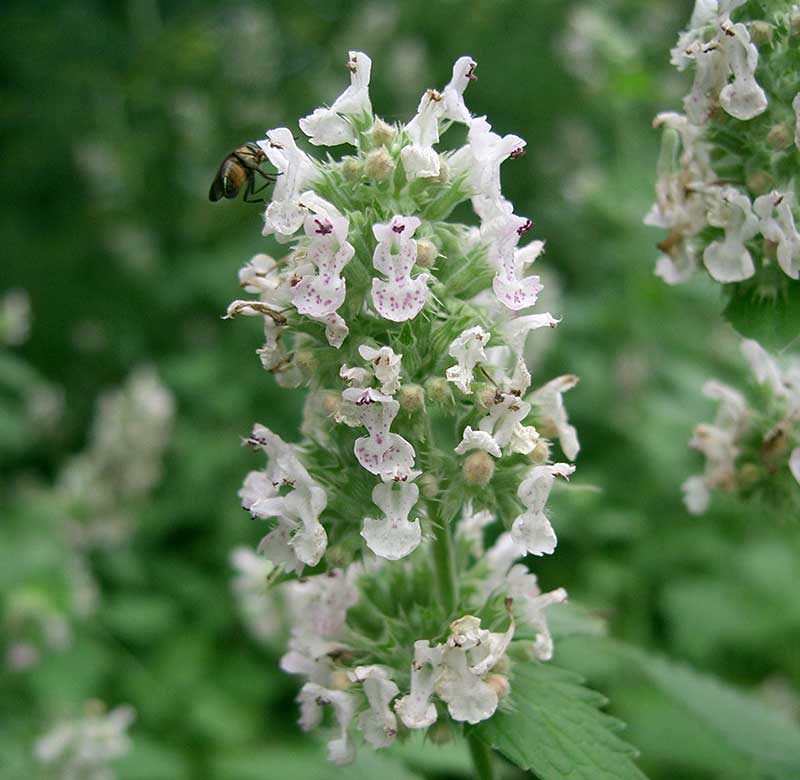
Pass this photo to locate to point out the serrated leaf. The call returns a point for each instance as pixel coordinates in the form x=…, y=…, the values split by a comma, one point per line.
x=762, y=740
x=555, y=729
x=773, y=320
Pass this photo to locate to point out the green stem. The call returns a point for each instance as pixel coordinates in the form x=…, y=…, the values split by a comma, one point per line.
x=444, y=564
x=481, y=758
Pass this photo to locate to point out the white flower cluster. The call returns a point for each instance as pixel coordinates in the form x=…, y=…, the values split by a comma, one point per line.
x=691, y=194
x=394, y=317
x=731, y=463
x=82, y=749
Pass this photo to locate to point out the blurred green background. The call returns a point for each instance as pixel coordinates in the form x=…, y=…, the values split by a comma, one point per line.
x=114, y=117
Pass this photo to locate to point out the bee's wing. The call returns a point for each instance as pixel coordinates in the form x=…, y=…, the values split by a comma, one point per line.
x=217, y=190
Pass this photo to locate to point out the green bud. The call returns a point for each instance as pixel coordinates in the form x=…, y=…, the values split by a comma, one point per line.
x=540, y=454
x=381, y=134
x=379, y=164
x=437, y=389
x=478, y=468
x=411, y=398
x=794, y=22
x=761, y=32
x=485, y=394
x=352, y=168
x=429, y=485
x=426, y=253
x=780, y=136
x=307, y=362
x=759, y=182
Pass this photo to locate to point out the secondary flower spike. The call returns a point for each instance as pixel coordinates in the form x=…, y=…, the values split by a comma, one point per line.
x=423, y=430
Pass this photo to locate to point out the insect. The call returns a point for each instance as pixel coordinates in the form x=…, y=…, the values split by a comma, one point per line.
x=239, y=169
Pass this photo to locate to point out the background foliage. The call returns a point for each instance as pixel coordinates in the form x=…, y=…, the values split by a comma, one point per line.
x=114, y=118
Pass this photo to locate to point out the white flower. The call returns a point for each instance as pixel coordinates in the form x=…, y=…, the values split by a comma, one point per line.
x=784, y=383
x=420, y=159
x=299, y=538
x=523, y=587
x=321, y=291
x=336, y=329
x=401, y=297
x=549, y=404
x=470, y=528
x=84, y=748
x=250, y=587
x=285, y=214
x=478, y=440
x=318, y=607
x=355, y=377
x=794, y=463
x=469, y=655
x=776, y=223
x=480, y=160
x=416, y=709
x=394, y=536
x=729, y=260
x=332, y=126
x=378, y=724
x=386, y=365
x=516, y=333
x=503, y=423
x=532, y=528
x=729, y=53
x=383, y=453
x=696, y=495
x=313, y=698
x=468, y=350
x=743, y=98
x=796, y=108
x=502, y=233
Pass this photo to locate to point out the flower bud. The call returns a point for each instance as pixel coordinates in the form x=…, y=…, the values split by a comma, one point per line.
x=411, y=398
x=761, y=32
x=780, y=136
x=339, y=680
x=540, y=454
x=352, y=169
x=499, y=684
x=794, y=22
x=437, y=390
x=426, y=253
x=381, y=133
x=748, y=475
x=330, y=403
x=307, y=362
x=485, y=395
x=759, y=182
x=440, y=733
x=478, y=468
x=379, y=164
x=429, y=485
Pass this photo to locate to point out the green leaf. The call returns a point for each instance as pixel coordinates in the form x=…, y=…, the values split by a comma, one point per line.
x=755, y=737
x=555, y=729
x=772, y=319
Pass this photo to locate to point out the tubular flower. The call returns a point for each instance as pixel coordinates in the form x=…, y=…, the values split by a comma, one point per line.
x=421, y=427
x=734, y=206
x=751, y=447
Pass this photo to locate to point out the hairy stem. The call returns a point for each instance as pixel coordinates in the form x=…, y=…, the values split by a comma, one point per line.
x=481, y=758
x=445, y=565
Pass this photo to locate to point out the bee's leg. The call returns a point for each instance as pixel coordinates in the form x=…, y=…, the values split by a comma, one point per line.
x=270, y=177
x=249, y=192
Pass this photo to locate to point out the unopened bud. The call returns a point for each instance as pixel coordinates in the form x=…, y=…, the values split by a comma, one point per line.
x=540, y=454
x=444, y=173
x=352, y=169
x=761, y=32
x=780, y=136
x=429, y=485
x=426, y=253
x=748, y=475
x=381, y=133
x=759, y=182
x=330, y=403
x=502, y=666
x=437, y=389
x=794, y=22
x=478, y=468
x=486, y=395
x=499, y=684
x=440, y=733
x=306, y=361
x=379, y=164
x=340, y=680
x=411, y=398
